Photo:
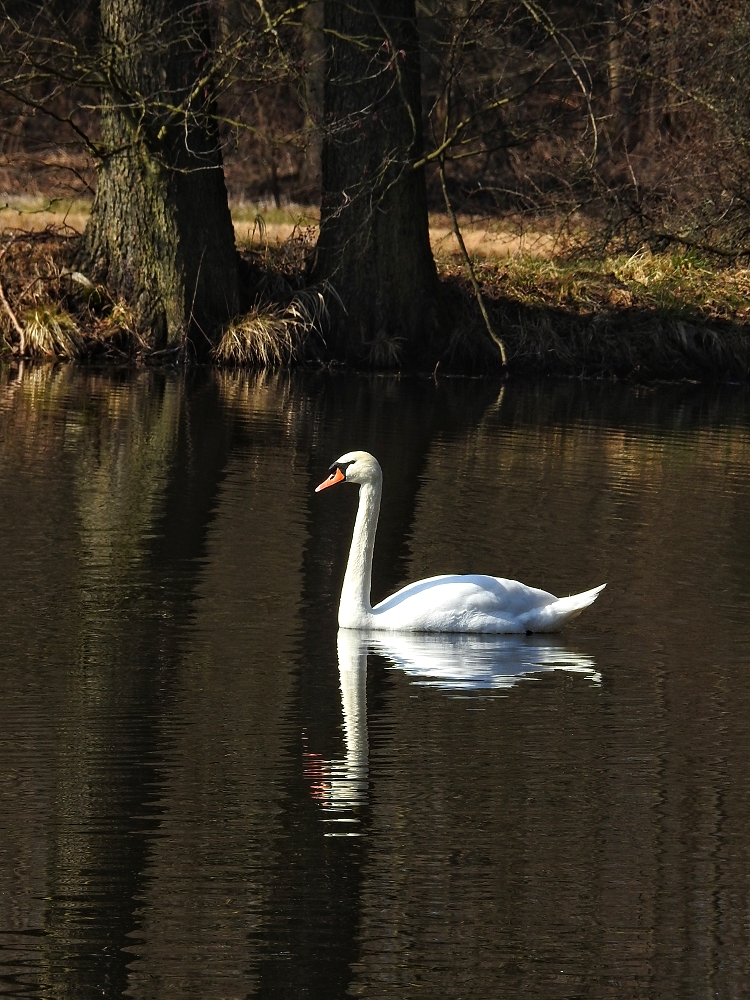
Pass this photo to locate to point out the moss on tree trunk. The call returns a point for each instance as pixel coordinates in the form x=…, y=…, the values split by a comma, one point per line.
x=374, y=236
x=160, y=234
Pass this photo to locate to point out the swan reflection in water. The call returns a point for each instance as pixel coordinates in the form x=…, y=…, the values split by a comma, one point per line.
x=341, y=785
x=476, y=662
x=451, y=662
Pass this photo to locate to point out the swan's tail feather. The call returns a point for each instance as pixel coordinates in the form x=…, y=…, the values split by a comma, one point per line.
x=552, y=617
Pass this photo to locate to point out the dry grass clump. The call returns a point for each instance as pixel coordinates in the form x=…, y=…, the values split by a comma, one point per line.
x=271, y=335
x=384, y=350
x=117, y=327
x=38, y=318
x=49, y=310
x=287, y=321
x=49, y=331
x=263, y=338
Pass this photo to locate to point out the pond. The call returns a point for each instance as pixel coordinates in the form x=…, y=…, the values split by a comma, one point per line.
x=207, y=792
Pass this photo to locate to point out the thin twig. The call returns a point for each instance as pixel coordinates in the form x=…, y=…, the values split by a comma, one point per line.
x=470, y=268
x=19, y=329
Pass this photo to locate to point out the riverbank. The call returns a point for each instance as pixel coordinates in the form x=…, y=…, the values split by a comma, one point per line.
x=641, y=316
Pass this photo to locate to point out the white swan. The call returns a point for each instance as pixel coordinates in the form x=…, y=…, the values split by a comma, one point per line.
x=440, y=603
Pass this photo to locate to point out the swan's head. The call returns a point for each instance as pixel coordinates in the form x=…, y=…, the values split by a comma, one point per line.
x=354, y=467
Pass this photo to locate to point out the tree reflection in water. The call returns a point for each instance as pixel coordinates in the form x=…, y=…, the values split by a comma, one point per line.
x=564, y=815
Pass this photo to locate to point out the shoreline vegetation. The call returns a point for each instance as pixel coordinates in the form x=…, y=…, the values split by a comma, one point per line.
x=500, y=188
x=560, y=308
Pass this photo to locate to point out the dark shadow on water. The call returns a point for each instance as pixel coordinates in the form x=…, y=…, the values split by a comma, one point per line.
x=149, y=455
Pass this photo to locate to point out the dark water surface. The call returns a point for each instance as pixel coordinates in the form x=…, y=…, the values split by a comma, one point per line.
x=206, y=793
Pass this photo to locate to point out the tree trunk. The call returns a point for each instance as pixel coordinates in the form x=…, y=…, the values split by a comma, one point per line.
x=616, y=68
x=160, y=234
x=374, y=243
x=314, y=54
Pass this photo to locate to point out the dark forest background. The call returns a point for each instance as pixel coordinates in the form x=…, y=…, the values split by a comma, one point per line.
x=632, y=116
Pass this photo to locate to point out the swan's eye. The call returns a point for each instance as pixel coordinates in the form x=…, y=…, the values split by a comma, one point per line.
x=342, y=466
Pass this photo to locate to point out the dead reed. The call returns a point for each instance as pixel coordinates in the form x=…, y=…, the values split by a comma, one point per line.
x=272, y=335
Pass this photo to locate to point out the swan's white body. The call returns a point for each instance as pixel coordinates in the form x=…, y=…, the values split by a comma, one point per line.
x=439, y=603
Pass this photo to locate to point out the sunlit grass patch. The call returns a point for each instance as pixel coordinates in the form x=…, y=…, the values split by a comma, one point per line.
x=32, y=204
x=643, y=316
x=291, y=214
x=680, y=280
x=670, y=282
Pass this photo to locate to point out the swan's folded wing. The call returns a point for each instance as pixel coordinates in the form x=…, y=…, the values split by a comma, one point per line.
x=460, y=604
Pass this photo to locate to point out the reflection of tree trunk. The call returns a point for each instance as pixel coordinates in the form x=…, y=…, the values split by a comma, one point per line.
x=314, y=42
x=374, y=241
x=160, y=234
x=141, y=523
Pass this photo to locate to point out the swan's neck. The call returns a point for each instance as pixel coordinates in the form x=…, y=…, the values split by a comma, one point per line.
x=355, y=608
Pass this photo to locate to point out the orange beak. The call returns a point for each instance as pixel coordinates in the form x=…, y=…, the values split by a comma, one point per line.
x=335, y=477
